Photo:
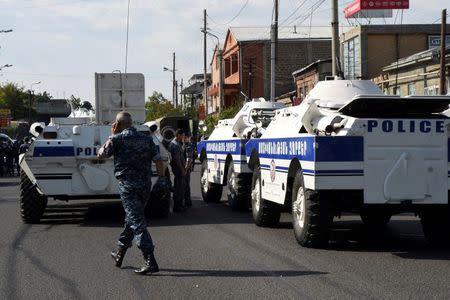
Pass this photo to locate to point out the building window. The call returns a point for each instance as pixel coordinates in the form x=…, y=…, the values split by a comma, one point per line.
x=234, y=64
x=352, y=63
x=432, y=90
x=227, y=67
x=411, y=89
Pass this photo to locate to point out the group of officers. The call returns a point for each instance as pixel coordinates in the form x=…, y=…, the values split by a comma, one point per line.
x=9, y=156
x=182, y=164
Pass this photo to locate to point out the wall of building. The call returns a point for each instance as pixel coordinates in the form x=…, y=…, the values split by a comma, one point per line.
x=253, y=60
x=215, y=85
x=382, y=50
x=378, y=44
x=293, y=55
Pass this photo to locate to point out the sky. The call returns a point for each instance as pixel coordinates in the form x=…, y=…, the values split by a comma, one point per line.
x=62, y=43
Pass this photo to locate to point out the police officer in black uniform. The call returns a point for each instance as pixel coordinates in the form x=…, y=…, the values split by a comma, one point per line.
x=178, y=165
x=133, y=154
x=188, y=150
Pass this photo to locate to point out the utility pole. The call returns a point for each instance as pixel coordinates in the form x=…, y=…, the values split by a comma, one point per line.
x=443, y=40
x=335, y=37
x=174, y=92
x=250, y=79
x=273, y=51
x=181, y=97
x=221, y=80
x=205, y=84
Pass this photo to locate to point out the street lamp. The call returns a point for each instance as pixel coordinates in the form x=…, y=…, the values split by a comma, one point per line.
x=173, y=71
x=30, y=99
x=5, y=66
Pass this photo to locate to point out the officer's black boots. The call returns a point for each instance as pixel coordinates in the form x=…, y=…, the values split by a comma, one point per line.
x=150, y=266
x=118, y=256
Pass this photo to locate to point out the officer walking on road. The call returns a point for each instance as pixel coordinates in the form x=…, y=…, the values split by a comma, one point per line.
x=178, y=165
x=133, y=153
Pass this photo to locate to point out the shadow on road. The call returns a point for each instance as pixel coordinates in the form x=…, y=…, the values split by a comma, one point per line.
x=402, y=237
x=231, y=273
x=109, y=213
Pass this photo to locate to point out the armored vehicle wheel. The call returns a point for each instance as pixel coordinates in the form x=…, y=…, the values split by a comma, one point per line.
x=436, y=226
x=375, y=217
x=265, y=213
x=211, y=192
x=32, y=204
x=311, y=216
x=238, y=190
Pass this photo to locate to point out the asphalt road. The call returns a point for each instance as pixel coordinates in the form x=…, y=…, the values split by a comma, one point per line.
x=210, y=252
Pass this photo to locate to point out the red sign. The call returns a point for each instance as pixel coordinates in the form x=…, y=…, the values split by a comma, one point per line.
x=359, y=5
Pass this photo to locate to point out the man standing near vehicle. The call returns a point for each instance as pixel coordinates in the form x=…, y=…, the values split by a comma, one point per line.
x=178, y=165
x=133, y=153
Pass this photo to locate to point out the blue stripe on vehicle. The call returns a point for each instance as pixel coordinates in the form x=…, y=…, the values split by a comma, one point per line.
x=344, y=148
x=234, y=147
x=318, y=172
x=53, y=151
x=333, y=172
x=309, y=148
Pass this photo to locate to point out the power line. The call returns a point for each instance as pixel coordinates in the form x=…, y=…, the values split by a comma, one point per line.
x=45, y=5
x=232, y=19
x=128, y=31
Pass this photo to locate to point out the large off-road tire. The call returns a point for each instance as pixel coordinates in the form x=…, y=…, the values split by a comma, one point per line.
x=375, y=217
x=436, y=226
x=211, y=192
x=239, y=189
x=32, y=204
x=158, y=205
x=265, y=213
x=311, y=216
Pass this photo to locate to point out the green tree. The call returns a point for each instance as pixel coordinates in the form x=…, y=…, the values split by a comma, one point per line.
x=14, y=98
x=75, y=102
x=212, y=120
x=158, y=106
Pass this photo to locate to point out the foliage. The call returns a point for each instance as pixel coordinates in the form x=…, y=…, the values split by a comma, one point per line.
x=17, y=99
x=212, y=120
x=75, y=102
x=157, y=107
x=14, y=98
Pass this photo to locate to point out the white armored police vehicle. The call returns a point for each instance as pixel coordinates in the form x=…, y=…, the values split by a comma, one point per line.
x=61, y=162
x=349, y=148
x=223, y=155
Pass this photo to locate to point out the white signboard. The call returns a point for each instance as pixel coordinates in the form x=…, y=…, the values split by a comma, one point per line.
x=115, y=92
x=435, y=41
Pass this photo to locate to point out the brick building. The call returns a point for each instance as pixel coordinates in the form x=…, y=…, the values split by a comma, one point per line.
x=366, y=49
x=306, y=78
x=215, y=91
x=417, y=74
x=246, y=59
